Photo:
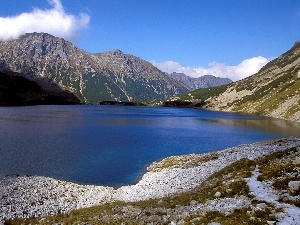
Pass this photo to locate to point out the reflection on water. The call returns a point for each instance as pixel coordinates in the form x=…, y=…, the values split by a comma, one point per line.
x=276, y=126
x=112, y=145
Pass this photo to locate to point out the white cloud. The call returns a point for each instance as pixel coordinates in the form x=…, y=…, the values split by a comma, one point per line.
x=244, y=69
x=54, y=21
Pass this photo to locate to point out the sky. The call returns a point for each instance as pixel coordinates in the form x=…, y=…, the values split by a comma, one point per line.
x=225, y=38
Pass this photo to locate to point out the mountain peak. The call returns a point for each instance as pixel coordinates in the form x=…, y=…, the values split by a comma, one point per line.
x=113, y=53
x=40, y=36
x=117, y=52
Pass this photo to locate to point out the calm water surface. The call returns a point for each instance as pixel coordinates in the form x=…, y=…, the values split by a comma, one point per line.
x=112, y=145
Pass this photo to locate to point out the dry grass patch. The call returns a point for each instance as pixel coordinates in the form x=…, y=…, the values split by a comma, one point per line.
x=184, y=161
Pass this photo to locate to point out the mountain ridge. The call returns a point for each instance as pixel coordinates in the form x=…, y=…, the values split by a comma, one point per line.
x=200, y=82
x=41, y=57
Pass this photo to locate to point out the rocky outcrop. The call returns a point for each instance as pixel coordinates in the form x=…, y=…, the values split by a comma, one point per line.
x=91, y=77
x=200, y=82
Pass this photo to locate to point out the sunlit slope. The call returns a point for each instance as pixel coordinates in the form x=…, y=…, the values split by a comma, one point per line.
x=273, y=91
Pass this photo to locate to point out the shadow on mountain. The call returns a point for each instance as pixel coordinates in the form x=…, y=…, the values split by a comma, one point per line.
x=16, y=90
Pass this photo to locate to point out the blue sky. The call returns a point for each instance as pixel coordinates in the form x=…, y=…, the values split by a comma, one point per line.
x=220, y=37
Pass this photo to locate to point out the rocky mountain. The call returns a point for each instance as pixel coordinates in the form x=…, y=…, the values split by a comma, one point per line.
x=16, y=90
x=200, y=82
x=112, y=75
x=273, y=91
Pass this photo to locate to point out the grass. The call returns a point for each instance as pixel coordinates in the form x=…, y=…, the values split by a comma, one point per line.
x=270, y=97
x=205, y=93
x=273, y=166
x=265, y=90
x=184, y=162
x=238, y=217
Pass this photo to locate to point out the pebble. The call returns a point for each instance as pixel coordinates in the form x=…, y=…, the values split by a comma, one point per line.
x=294, y=186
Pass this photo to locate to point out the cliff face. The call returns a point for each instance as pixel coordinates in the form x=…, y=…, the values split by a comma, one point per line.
x=91, y=77
x=200, y=82
x=273, y=91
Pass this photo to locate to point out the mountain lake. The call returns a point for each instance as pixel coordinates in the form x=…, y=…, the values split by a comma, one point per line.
x=113, y=145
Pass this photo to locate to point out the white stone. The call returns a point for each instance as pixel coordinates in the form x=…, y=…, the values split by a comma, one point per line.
x=218, y=194
x=294, y=186
x=296, y=161
x=261, y=206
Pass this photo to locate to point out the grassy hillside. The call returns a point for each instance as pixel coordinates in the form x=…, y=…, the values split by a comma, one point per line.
x=273, y=91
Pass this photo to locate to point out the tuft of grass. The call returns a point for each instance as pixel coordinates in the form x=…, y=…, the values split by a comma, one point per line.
x=272, y=166
x=238, y=217
x=184, y=162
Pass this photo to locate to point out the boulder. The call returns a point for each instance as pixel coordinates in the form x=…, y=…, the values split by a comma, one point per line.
x=294, y=186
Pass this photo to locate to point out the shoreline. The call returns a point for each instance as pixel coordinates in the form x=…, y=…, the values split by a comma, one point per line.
x=33, y=196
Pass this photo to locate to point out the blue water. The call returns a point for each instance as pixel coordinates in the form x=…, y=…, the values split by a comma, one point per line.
x=112, y=145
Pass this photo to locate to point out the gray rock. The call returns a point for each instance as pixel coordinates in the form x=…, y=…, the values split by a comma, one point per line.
x=294, y=186
x=296, y=161
x=261, y=206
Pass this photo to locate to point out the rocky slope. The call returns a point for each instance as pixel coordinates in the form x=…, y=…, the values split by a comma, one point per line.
x=273, y=91
x=16, y=90
x=91, y=77
x=200, y=82
x=245, y=184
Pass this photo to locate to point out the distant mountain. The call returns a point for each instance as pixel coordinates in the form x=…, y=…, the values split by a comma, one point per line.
x=200, y=82
x=17, y=91
x=110, y=76
x=273, y=91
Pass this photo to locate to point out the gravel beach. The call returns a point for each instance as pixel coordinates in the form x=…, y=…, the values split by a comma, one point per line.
x=33, y=196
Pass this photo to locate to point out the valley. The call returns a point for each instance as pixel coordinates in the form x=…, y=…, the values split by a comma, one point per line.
x=218, y=187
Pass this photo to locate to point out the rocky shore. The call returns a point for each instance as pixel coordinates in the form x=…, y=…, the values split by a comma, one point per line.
x=33, y=196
